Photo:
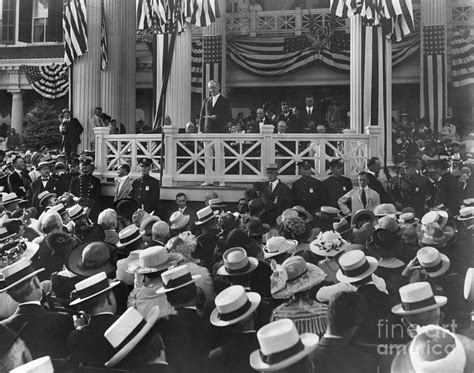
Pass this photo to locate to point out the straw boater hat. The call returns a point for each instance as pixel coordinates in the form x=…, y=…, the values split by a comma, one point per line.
x=385, y=209
x=178, y=220
x=90, y=258
x=468, y=202
x=432, y=261
x=328, y=212
x=233, y=305
x=204, y=215
x=329, y=243
x=92, y=286
x=216, y=203
x=408, y=218
x=278, y=245
x=59, y=208
x=125, y=333
x=75, y=212
x=362, y=213
x=39, y=365
x=237, y=263
x=45, y=163
x=176, y=278
x=293, y=276
x=355, y=266
x=434, y=235
x=9, y=198
x=129, y=235
x=469, y=285
x=466, y=213
x=44, y=196
x=416, y=298
x=18, y=272
x=154, y=259
x=440, y=217
x=281, y=346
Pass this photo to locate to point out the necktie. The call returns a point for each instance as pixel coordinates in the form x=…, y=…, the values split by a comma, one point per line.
x=309, y=111
x=364, y=198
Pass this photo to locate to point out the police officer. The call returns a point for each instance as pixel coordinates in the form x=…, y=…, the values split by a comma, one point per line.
x=336, y=185
x=87, y=187
x=307, y=190
x=146, y=189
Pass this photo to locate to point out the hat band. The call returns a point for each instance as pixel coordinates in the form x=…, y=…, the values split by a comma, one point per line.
x=299, y=276
x=234, y=314
x=14, y=277
x=409, y=221
x=277, y=357
x=434, y=268
x=207, y=216
x=357, y=271
x=132, y=334
x=412, y=306
x=470, y=215
x=433, y=238
x=175, y=282
x=93, y=289
x=75, y=216
x=130, y=238
x=239, y=270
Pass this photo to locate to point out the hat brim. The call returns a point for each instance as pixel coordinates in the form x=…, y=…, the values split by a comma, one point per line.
x=74, y=259
x=461, y=218
x=445, y=264
x=309, y=341
x=80, y=300
x=440, y=302
x=313, y=277
x=315, y=249
x=254, y=299
x=372, y=267
x=199, y=222
x=217, y=206
x=30, y=275
x=267, y=254
x=140, y=235
x=183, y=224
x=222, y=271
x=12, y=201
x=173, y=259
x=45, y=197
x=31, y=250
x=429, y=241
x=469, y=285
x=163, y=290
x=364, y=212
x=125, y=350
x=412, y=223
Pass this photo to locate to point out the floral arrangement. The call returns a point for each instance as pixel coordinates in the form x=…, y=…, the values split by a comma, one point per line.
x=11, y=251
x=330, y=240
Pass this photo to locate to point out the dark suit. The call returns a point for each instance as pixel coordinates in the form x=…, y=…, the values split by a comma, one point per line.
x=222, y=112
x=233, y=356
x=45, y=332
x=307, y=193
x=376, y=185
x=188, y=338
x=314, y=117
x=290, y=119
x=71, y=132
x=146, y=190
x=88, y=345
x=21, y=185
x=448, y=193
x=333, y=188
x=334, y=355
x=38, y=187
x=276, y=202
x=411, y=191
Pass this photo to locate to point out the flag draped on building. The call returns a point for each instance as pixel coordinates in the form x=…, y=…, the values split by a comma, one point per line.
x=201, y=12
x=104, y=47
x=211, y=60
x=462, y=53
x=75, y=30
x=196, y=66
x=49, y=81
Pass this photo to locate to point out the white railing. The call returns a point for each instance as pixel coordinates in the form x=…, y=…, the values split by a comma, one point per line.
x=232, y=158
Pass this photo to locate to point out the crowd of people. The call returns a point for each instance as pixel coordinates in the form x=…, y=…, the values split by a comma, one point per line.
x=291, y=281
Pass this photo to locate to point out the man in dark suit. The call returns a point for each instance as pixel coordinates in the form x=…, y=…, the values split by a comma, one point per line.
x=334, y=353
x=44, y=332
x=307, y=190
x=44, y=183
x=286, y=116
x=449, y=191
x=87, y=187
x=146, y=189
x=88, y=344
x=373, y=169
x=309, y=113
x=182, y=204
x=277, y=195
x=215, y=111
x=336, y=185
x=262, y=117
x=19, y=181
x=71, y=130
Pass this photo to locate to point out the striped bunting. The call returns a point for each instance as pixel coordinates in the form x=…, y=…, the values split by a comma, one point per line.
x=49, y=81
x=462, y=52
x=104, y=47
x=201, y=12
x=196, y=66
x=144, y=14
x=75, y=30
x=280, y=56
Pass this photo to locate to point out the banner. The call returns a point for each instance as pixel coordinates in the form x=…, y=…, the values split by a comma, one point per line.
x=49, y=81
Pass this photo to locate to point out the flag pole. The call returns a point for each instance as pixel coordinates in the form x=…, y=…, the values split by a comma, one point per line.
x=162, y=153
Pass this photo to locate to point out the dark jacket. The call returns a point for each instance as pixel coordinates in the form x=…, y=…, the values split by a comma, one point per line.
x=307, y=193
x=276, y=202
x=21, y=185
x=37, y=186
x=146, y=190
x=333, y=188
x=44, y=332
x=222, y=112
x=87, y=188
x=376, y=185
x=448, y=193
x=233, y=356
x=72, y=131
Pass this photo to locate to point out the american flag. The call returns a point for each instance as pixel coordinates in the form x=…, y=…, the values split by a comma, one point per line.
x=104, y=47
x=49, y=81
x=433, y=75
x=75, y=30
x=462, y=52
x=201, y=12
x=212, y=60
x=196, y=66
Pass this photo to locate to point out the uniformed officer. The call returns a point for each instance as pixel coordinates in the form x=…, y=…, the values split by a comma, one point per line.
x=146, y=189
x=336, y=185
x=307, y=190
x=87, y=188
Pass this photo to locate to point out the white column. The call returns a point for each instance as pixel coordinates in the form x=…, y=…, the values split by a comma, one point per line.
x=100, y=156
x=17, y=111
x=128, y=49
x=356, y=74
x=86, y=80
x=388, y=101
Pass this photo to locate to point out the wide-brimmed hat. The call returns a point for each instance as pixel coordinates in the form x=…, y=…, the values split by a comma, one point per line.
x=216, y=203
x=469, y=285
x=432, y=261
x=204, y=215
x=139, y=215
x=91, y=287
x=286, y=214
x=75, y=212
x=390, y=224
x=466, y=213
x=342, y=226
x=90, y=258
x=384, y=240
x=237, y=263
x=176, y=278
x=154, y=259
x=44, y=196
x=17, y=272
x=303, y=213
x=178, y=220
x=129, y=235
x=278, y=245
x=385, y=209
x=281, y=346
x=355, y=266
x=362, y=213
x=408, y=218
x=150, y=220
x=434, y=235
x=255, y=227
x=40, y=365
x=328, y=212
x=439, y=216
x=416, y=298
x=8, y=198
x=233, y=305
x=329, y=243
x=44, y=163
x=125, y=333
x=293, y=276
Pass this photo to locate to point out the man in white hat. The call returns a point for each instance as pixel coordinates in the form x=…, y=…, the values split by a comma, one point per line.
x=43, y=332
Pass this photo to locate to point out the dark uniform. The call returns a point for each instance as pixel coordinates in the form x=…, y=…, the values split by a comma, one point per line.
x=307, y=193
x=87, y=188
x=333, y=188
x=448, y=193
x=411, y=191
x=146, y=190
